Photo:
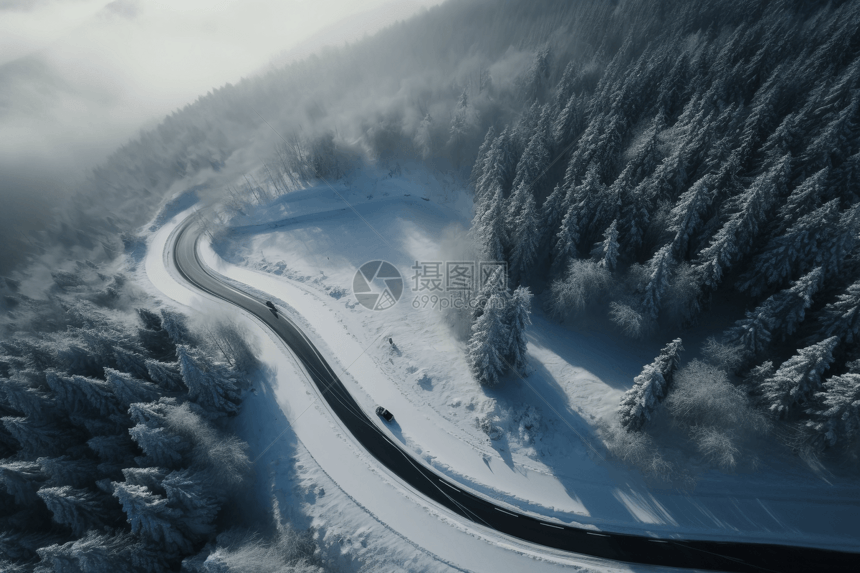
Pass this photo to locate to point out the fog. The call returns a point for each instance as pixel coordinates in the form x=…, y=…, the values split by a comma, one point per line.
x=78, y=78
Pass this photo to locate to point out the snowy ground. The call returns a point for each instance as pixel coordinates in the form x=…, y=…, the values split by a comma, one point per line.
x=304, y=249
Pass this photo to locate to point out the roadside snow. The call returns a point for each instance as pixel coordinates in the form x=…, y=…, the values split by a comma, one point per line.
x=317, y=476
x=304, y=250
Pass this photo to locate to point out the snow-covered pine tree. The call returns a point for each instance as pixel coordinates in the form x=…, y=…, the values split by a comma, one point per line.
x=517, y=319
x=78, y=509
x=659, y=270
x=161, y=446
x=483, y=151
x=834, y=140
x=650, y=387
x=175, y=324
x=40, y=437
x=688, y=213
x=788, y=307
x=129, y=390
x=108, y=553
x=841, y=318
x=525, y=240
x=131, y=362
x=737, y=236
x=606, y=251
x=165, y=374
x=98, y=394
x=495, y=284
x=198, y=505
x=804, y=199
x=797, y=249
x=115, y=448
x=498, y=169
x=150, y=477
x=212, y=387
x=798, y=378
x=487, y=344
x=836, y=410
x=752, y=333
x=779, y=315
x=152, y=518
x=569, y=123
x=22, y=397
x=846, y=180
x=65, y=470
x=564, y=248
x=21, y=480
x=489, y=226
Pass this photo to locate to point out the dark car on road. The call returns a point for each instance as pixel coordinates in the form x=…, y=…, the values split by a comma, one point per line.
x=380, y=411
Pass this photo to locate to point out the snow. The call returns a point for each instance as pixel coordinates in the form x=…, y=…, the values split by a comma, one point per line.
x=303, y=251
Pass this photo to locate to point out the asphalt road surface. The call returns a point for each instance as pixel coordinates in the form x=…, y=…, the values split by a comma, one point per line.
x=691, y=554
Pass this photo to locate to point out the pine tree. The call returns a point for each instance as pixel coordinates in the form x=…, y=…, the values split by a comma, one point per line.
x=800, y=247
x=130, y=362
x=209, y=386
x=798, y=378
x=21, y=480
x=152, y=518
x=165, y=374
x=836, y=138
x=175, y=325
x=498, y=170
x=162, y=447
x=688, y=214
x=788, y=307
x=129, y=390
x=650, y=387
x=487, y=344
x=564, y=248
x=836, y=413
x=489, y=227
x=150, y=477
x=525, y=239
x=805, y=198
x=752, y=333
x=26, y=399
x=118, y=553
x=65, y=470
x=535, y=158
x=517, y=319
x=780, y=314
x=736, y=237
x=659, y=269
x=197, y=505
x=842, y=317
x=495, y=284
x=78, y=509
x=483, y=151
x=606, y=251
x=569, y=123
x=39, y=437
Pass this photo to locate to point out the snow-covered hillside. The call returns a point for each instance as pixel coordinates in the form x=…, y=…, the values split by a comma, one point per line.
x=533, y=442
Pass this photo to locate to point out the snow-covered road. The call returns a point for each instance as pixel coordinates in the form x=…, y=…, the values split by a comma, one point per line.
x=444, y=537
x=360, y=365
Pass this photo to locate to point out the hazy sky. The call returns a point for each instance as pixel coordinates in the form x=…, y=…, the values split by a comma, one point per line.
x=80, y=77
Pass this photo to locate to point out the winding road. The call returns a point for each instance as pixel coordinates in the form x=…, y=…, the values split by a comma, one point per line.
x=691, y=554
